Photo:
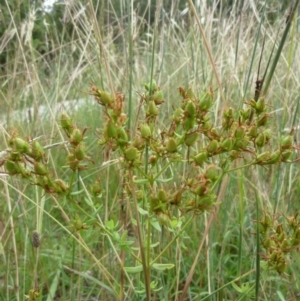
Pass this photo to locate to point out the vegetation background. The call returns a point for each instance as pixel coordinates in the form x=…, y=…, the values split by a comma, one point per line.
x=48, y=59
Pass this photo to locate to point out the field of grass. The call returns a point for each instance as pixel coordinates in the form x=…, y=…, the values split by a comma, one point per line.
x=172, y=179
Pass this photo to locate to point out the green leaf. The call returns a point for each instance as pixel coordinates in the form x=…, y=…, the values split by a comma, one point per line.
x=141, y=181
x=163, y=266
x=156, y=225
x=133, y=270
x=77, y=192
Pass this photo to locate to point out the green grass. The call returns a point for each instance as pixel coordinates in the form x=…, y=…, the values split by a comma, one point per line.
x=86, y=264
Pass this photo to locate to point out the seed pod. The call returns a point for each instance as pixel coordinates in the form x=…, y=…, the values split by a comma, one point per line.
x=188, y=123
x=111, y=129
x=153, y=159
x=190, y=138
x=171, y=145
x=122, y=137
x=36, y=242
x=262, y=120
x=163, y=218
x=40, y=168
x=263, y=138
x=201, y=158
x=201, y=189
x=96, y=188
x=286, y=142
x=263, y=157
x=227, y=144
x=252, y=132
x=131, y=153
x=79, y=152
x=212, y=146
x=239, y=133
x=66, y=122
x=21, y=145
x=76, y=137
x=62, y=185
x=274, y=157
x=260, y=105
x=205, y=102
x=176, y=198
x=286, y=155
x=281, y=266
x=245, y=114
x=11, y=167
x=162, y=196
x=241, y=143
x=190, y=109
x=158, y=97
x=37, y=151
x=105, y=98
x=177, y=116
x=145, y=131
x=212, y=172
x=152, y=109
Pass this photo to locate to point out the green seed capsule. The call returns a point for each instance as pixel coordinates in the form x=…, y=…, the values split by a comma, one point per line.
x=122, y=137
x=190, y=109
x=227, y=144
x=76, y=137
x=286, y=142
x=11, y=167
x=212, y=172
x=205, y=102
x=40, y=168
x=190, y=138
x=152, y=109
x=21, y=145
x=200, y=158
x=162, y=196
x=171, y=145
x=65, y=122
x=111, y=129
x=212, y=146
x=79, y=152
x=286, y=155
x=145, y=131
x=131, y=153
